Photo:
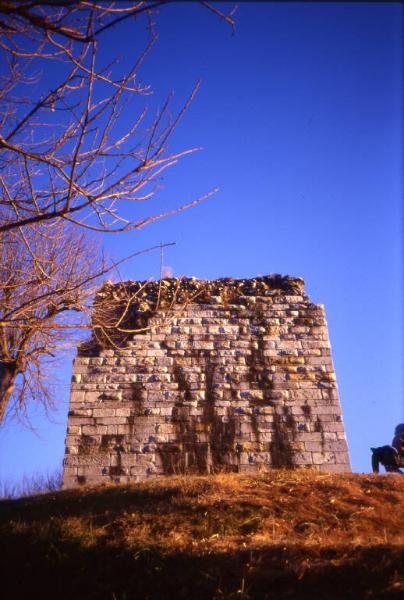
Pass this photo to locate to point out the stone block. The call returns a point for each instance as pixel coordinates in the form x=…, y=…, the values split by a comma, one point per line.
x=320, y=458
x=316, y=446
x=333, y=426
x=80, y=420
x=92, y=396
x=74, y=429
x=111, y=420
x=103, y=412
x=69, y=472
x=302, y=458
x=77, y=396
x=123, y=412
x=342, y=457
x=98, y=429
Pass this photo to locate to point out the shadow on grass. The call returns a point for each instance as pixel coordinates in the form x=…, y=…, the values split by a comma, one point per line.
x=52, y=568
x=74, y=503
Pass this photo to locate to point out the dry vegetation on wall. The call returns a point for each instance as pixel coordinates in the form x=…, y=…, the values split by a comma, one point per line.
x=286, y=534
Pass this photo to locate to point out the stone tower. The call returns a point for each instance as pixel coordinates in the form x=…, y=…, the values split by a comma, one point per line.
x=190, y=376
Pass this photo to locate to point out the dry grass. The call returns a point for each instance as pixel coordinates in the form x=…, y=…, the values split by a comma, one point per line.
x=31, y=485
x=286, y=534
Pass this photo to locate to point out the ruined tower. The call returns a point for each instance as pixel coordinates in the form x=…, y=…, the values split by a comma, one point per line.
x=190, y=376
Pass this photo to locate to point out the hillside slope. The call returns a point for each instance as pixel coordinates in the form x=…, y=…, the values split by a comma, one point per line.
x=286, y=534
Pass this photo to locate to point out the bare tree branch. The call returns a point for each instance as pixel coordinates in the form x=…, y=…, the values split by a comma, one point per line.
x=87, y=172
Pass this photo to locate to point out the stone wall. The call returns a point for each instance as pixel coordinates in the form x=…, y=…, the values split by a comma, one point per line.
x=189, y=376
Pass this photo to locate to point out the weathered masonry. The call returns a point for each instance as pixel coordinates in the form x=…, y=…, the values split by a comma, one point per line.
x=190, y=376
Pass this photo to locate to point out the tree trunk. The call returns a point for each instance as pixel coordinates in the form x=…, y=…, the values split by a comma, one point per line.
x=8, y=373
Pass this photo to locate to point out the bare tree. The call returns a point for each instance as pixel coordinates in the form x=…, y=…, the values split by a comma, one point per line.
x=65, y=153
x=45, y=272
x=81, y=151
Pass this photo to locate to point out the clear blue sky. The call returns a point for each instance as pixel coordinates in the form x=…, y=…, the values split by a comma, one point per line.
x=300, y=119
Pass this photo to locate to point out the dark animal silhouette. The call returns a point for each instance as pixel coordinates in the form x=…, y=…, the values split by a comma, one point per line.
x=387, y=456
x=398, y=440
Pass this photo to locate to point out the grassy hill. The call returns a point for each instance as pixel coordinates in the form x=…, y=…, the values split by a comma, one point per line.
x=286, y=534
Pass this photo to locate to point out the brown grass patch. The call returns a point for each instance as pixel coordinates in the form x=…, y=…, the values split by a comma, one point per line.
x=285, y=534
